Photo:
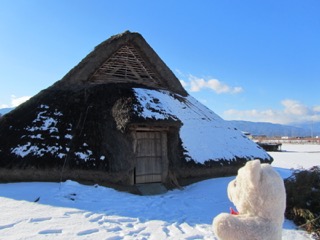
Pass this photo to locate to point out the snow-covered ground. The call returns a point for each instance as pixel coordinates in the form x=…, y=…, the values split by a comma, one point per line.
x=297, y=156
x=73, y=211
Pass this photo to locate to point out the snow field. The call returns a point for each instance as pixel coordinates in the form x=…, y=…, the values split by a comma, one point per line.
x=297, y=156
x=73, y=211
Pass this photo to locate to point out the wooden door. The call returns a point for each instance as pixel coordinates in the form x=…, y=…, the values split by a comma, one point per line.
x=149, y=155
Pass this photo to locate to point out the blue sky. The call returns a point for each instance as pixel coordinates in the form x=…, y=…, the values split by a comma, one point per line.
x=250, y=60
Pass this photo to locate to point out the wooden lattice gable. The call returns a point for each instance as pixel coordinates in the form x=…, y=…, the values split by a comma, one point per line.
x=123, y=58
x=127, y=65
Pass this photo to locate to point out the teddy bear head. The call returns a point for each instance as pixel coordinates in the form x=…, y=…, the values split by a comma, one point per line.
x=258, y=190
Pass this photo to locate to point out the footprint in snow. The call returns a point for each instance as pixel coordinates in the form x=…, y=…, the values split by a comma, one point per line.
x=88, y=214
x=129, y=225
x=11, y=225
x=33, y=220
x=92, y=217
x=127, y=220
x=115, y=229
x=68, y=214
x=51, y=231
x=114, y=238
x=195, y=237
x=166, y=231
x=87, y=232
x=136, y=231
x=97, y=219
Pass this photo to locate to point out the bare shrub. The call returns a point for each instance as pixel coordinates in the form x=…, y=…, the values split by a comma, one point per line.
x=303, y=199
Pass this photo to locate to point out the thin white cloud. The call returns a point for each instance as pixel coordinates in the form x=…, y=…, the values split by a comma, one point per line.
x=17, y=101
x=183, y=83
x=4, y=106
x=316, y=109
x=293, y=107
x=293, y=111
x=196, y=84
x=179, y=72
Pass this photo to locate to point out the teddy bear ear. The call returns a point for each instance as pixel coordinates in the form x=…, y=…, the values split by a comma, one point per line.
x=254, y=171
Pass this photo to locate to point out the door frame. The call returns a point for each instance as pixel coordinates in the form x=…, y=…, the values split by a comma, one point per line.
x=164, y=148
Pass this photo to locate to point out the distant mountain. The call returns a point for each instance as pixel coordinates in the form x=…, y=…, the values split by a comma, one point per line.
x=273, y=130
x=312, y=127
x=3, y=111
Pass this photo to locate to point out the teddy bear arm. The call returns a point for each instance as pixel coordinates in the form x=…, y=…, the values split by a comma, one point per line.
x=230, y=227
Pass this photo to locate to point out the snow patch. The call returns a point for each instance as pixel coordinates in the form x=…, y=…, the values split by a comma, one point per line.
x=61, y=155
x=68, y=136
x=47, y=123
x=27, y=149
x=84, y=155
x=24, y=150
x=44, y=124
x=38, y=136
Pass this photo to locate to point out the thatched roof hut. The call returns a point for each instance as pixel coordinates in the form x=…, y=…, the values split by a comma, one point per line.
x=120, y=116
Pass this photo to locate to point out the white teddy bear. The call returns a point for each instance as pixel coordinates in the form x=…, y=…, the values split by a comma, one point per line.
x=259, y=195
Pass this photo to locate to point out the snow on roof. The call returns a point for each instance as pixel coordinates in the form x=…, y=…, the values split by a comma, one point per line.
x=44, y=124
x=205, y=136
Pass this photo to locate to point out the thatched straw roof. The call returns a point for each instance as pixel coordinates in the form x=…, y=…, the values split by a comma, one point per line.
x=123, y=58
